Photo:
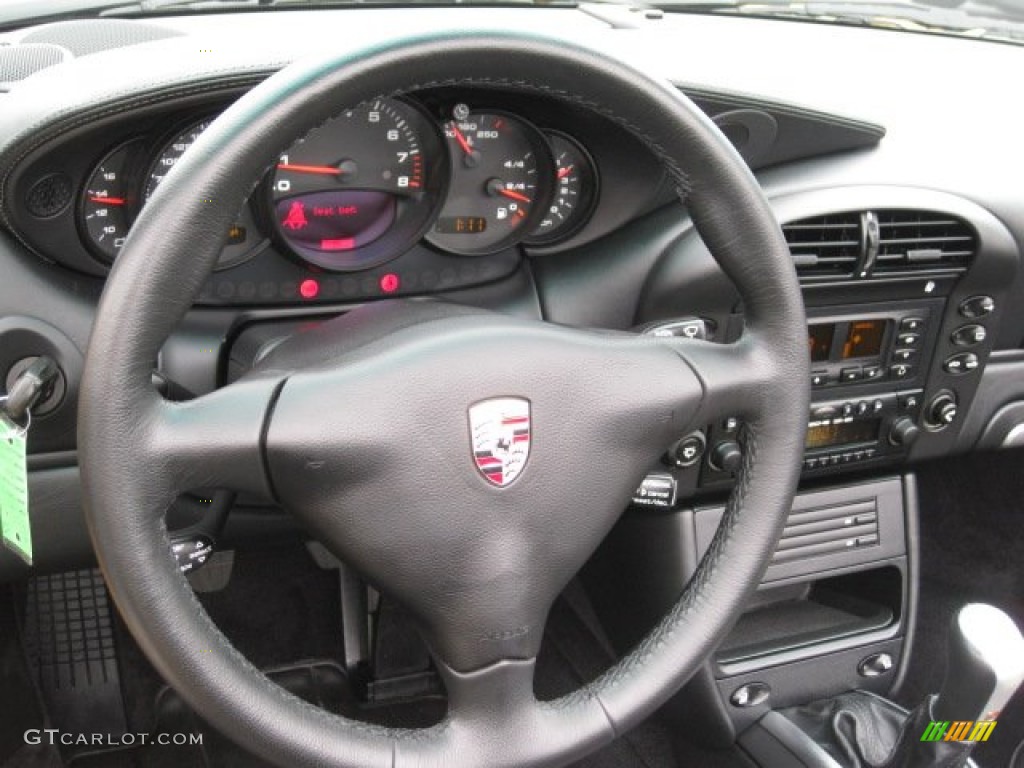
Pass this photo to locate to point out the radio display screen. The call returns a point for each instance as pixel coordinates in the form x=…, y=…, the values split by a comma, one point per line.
x=864, y=339
x=819, y=339
x=842, y=433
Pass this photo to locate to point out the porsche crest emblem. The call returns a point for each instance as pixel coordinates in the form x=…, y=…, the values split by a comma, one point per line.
x=500, y=432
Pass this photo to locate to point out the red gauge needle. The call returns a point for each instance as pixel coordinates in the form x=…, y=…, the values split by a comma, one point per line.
x=563, y=172
x=326, y=170
x=466, y=146
x=107, y=200
x=514, y=195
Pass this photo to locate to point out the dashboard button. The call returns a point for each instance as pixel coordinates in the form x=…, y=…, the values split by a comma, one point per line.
x=872, y=372
x=819, y=378
x=656, y=490
x=977, y=306
x=903, y=355
x=750, y=695
x=688, y=451
x=901, y=371
x=850, y=374
x=961, y=364
x=863, y=407
x=911, y=325
x=909, y=401
x=968, y=335
x=908, y=340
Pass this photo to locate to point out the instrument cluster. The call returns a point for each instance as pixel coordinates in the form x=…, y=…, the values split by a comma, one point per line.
x=369, y=185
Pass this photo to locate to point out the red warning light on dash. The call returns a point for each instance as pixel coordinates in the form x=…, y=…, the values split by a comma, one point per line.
x=389, y=283
x=338, y=244
x=296, y=217
x=309, y=288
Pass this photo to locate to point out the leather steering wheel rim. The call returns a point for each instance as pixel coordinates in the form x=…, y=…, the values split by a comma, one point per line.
x=138, y=451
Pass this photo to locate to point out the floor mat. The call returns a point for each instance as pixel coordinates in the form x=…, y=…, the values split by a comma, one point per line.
x=972, y=536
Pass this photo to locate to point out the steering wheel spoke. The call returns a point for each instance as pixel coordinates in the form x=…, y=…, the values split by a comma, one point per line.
x=739, y=379
x=212, y=441
x=500, y=699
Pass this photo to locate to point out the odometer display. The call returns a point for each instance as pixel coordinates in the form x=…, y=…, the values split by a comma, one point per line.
x=461, y=225
x=360, y=189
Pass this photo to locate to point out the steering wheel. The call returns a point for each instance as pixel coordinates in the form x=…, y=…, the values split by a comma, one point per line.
x=336, y=424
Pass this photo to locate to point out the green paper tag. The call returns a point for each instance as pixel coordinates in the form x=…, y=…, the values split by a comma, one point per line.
x=14, y=521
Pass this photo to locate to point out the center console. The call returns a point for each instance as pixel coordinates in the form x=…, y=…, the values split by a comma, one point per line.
x=897, y=344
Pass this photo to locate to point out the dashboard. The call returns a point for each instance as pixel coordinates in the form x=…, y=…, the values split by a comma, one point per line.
x=395, y=197
x=906, y=240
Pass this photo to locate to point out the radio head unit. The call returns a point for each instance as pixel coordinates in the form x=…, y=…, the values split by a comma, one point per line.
x=868, y=347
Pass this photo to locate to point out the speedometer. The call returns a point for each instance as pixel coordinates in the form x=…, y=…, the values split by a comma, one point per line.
x=502, y=175
x=360, y=189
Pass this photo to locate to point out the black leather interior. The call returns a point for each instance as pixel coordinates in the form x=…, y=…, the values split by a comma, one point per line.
x=614, y=396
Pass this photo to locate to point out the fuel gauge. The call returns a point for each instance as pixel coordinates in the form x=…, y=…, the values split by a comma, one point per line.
x=575, y=191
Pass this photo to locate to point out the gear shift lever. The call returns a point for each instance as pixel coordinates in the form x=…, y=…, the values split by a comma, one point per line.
x=984, y=665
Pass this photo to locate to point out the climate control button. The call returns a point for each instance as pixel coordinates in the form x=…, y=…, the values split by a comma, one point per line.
x=977, y=306
x=960, y=364
x=968, y=335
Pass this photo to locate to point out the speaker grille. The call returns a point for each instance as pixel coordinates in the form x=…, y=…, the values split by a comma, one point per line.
x=87, y=36
x=49, y=196
x=20, y=61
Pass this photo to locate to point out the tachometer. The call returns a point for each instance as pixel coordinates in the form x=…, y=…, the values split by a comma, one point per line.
x=501, y=181
x=360, y=189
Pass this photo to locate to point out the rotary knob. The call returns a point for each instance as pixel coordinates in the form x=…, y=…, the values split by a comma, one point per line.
x=903, y=432
x=943, y=411
x=727, y=456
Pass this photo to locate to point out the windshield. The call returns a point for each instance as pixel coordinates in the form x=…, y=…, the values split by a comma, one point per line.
x=996, y=20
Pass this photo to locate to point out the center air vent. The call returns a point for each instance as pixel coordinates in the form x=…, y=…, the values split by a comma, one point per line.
x=916, y=241
x=883, y=243
x=825, y=247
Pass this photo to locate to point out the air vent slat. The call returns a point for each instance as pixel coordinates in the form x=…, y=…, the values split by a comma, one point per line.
x=825, y=247
x=918, y=241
